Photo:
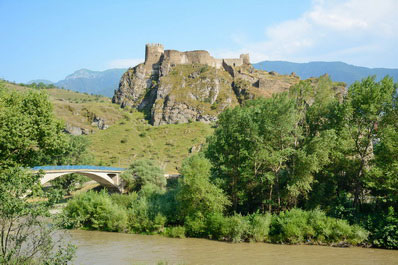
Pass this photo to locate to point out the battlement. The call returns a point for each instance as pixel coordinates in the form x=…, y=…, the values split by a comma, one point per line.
x=155, y=55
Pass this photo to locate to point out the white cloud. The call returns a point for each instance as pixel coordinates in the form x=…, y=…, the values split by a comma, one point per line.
x=124, y=63
x=330, y=30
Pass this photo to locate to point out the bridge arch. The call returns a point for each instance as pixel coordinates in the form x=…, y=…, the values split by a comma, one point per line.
x=106, y=176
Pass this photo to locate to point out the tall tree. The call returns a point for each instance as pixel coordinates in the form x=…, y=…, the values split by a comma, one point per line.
x=29, y=133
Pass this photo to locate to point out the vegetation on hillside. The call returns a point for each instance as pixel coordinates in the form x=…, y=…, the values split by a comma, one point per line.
x=129, y=136
x=133, y=138
x=309, y=166
x=29, y=135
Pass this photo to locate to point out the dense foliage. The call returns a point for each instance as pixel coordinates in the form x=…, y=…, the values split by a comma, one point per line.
x=314, y=147
x=29, y=135
x=143, y=174
x=316, y=164
x=195, y=207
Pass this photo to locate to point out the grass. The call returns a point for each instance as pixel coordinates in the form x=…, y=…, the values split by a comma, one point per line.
x=133, y=138
x=129, y=135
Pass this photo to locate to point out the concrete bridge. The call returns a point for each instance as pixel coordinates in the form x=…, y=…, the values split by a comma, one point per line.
x=106, y=176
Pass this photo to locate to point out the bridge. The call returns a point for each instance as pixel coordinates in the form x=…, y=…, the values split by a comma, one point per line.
x=106, y=176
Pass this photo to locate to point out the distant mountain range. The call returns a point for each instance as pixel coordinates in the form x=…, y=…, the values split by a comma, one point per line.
x=105, y=82
x=338, y=71
x=91, y=82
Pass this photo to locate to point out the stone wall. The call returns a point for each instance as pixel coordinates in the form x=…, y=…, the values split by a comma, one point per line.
x=155, y=56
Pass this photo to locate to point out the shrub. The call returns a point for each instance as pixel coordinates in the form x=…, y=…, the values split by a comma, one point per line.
x=95, y=211
x=298, y=226
x=238, y=228
x=196, y=195
x=195, y=225
x=124, y=200
x=175, y=231
x=143, y=172
x=217, y=226
x=384, y=229
x=260, y=226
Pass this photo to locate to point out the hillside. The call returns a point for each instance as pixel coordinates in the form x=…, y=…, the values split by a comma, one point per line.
x=173, y=87
x=128, y=135
x=338, y=71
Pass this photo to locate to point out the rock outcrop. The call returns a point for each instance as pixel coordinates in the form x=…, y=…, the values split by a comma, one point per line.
x=178, y=87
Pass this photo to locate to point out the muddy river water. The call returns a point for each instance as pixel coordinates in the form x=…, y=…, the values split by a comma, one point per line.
x=116, y=248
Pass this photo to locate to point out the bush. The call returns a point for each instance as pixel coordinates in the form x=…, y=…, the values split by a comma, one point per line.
x=175, y=231
x=143, y=172
x=95, y=211
x=217, y=226
x=238, y=228
x=298, y=226
x=124, y=200
x=260, y=226
x=196, y=195
x=139, y=217
x=384, y=229
x=195, y=225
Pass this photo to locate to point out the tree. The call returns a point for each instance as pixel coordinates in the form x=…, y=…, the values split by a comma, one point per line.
x=26, y=234
x=29, y=133
x=359, y=124
x=29, y=136
x=196, y=195
x=267, y=152
x=143, y=174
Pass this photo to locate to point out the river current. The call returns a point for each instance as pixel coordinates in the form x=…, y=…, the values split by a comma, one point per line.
x=117, y=248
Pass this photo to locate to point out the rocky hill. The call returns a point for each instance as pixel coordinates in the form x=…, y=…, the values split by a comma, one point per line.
x=178, y=87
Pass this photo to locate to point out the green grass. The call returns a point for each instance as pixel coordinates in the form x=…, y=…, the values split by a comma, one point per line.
x=129, y=135
x=133, y=138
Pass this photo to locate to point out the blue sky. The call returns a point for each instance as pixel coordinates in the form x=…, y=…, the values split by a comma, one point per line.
x=51, y=39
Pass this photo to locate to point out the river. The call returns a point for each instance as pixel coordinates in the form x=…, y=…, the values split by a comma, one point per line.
x=117, y=248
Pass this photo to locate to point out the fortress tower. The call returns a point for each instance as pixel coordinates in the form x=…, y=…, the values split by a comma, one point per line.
x=153, y=55
x=245, y=58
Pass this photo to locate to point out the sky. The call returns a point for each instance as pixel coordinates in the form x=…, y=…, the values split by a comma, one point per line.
x=52, y=39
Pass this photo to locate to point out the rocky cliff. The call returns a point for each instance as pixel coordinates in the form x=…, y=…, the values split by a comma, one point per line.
x=178, y=87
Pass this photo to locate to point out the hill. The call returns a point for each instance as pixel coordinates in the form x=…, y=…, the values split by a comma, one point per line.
x=127, y=135
x=174, y=87
x=93, y=82
x=338, y=71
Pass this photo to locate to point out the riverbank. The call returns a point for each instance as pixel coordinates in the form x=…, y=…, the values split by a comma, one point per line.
x=119, y=248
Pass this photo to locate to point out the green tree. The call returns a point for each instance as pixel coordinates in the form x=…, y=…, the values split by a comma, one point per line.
x=263, y=154
x=196, y=195
x=29, y=133
x=27, y=236
x=144, y=174
x=29, y=136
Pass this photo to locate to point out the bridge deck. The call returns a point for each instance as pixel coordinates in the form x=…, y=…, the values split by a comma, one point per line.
x=77, y=168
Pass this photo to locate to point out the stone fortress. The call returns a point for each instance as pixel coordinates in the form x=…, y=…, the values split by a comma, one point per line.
x=178, y=87
x=156, y=56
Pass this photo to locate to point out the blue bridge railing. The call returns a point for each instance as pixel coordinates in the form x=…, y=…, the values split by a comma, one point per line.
x=82, y=167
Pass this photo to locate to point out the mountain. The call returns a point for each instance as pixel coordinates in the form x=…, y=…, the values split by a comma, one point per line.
x=93, y=82
x=338, y=71
x=44, y=81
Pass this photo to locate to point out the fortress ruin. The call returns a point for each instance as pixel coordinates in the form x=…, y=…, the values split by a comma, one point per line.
x=156, y=56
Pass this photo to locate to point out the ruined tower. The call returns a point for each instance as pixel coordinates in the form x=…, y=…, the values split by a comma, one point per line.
x=245, y=58
x=153, y=55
